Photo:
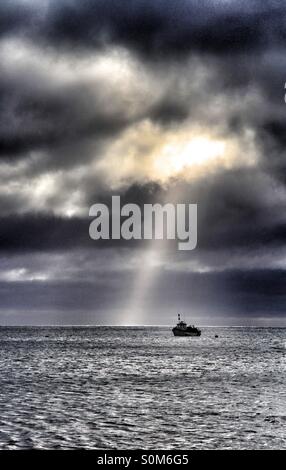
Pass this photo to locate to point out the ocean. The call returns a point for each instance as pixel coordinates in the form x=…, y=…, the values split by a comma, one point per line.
x=142, y=388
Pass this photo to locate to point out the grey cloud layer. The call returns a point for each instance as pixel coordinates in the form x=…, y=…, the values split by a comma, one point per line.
x=159, y=28
x=217, y=64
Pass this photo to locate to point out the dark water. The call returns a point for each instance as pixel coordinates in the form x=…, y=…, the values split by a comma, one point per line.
x=127, y=388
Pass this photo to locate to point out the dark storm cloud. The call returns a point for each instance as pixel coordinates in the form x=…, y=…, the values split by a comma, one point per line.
x=240, y=211
x=236, y=209
x=243, y=295
x=169, y=111
x=14, y=17
x=32, y=232
x=36, y=114
x=60, y=137
x=236, y=291
x=160, y=27
x=39, y=110
x=234, y=212
x=165, y=27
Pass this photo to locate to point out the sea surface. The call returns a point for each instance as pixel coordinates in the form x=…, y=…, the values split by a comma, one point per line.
x=126, y=388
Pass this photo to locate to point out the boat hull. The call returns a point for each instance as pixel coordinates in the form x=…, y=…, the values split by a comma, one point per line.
x=178, y=332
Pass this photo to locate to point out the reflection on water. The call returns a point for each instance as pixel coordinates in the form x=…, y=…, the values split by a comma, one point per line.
x=125, y=388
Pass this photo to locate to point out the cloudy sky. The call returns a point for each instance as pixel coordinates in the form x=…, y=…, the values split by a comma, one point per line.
x=153, y=100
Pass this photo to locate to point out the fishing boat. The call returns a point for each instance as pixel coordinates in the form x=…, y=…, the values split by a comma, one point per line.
x=182, y=329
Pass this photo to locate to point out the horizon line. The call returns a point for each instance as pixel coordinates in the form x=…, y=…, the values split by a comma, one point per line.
x=70, y=325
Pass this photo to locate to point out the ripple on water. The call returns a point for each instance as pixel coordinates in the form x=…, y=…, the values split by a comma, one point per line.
x=115, y=388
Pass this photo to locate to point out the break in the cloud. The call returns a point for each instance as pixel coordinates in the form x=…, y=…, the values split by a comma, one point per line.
x=152, y=100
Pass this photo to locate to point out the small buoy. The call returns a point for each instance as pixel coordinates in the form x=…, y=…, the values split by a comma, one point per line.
x=216, y=336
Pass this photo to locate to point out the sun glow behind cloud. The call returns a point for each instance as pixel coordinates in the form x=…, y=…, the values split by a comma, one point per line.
x=148, y=152
x=114, y=83
x=177, y=157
